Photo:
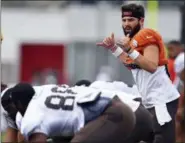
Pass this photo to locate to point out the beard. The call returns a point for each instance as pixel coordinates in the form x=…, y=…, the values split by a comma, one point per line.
x=132, y=31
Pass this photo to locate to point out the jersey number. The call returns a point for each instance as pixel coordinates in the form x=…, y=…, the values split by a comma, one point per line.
x=59, y=102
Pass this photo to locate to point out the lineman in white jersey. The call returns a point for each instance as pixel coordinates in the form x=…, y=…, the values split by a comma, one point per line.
x=132, y=91
x=88, y=114
x=143, y=130
x=8, y=115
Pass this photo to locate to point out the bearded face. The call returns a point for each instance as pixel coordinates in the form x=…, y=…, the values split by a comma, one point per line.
x=131, y=31
x=130, y=25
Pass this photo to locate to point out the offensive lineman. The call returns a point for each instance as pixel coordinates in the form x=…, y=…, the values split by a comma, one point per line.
x=90, y=115
x=143, y=130
x=8, y=114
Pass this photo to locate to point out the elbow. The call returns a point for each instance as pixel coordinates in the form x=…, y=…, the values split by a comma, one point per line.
x=153, y=68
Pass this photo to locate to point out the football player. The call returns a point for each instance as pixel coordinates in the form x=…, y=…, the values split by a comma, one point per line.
x=88, y=114
x=143, y=130
x=142, y=50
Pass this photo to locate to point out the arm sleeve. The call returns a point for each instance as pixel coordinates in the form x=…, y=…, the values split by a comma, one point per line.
x=7, y=119
x=144, y=38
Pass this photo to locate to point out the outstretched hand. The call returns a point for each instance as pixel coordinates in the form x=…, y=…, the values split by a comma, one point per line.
x=108, y=42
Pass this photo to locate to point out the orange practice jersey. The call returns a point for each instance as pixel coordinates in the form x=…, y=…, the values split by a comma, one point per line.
x=144, y=38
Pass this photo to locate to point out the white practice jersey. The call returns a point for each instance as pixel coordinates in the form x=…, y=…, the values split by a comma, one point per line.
x=6, y=120
x=52, y=111
x=55, y=111
x=117, y=89
x=155, y=88
x=18, y=120
x=117, y=86
x=121, y=86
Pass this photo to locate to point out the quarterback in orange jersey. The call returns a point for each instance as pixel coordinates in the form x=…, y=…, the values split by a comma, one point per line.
x=142, y=51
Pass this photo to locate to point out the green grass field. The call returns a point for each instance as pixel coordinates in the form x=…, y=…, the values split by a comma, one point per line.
x=2, y=137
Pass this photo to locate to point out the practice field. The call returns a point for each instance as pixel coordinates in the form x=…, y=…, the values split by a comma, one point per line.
x=2, y=137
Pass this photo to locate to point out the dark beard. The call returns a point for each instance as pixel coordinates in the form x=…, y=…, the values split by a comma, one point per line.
x=133, y=32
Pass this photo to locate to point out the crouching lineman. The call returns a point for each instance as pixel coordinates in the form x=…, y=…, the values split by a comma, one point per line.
x=91, y=115
x=143, y=130
x=8, y=114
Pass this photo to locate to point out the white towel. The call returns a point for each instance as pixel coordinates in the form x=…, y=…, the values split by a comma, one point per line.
x=162, y=114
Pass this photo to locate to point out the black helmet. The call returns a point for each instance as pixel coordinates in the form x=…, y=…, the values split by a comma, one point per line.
x=7, y=104
x=83, y=82
x=22, y=93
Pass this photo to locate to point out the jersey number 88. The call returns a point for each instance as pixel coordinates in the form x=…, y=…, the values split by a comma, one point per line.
x=60, y=102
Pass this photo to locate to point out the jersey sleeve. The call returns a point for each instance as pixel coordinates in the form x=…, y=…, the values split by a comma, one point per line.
x=97, y=84
x=8, y=120
x=103, y=85
x=32, y=121
x=18, y=120
x=127, y=99
x=145, y=37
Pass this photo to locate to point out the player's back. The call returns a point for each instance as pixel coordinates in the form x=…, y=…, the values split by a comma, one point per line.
x=117, y=86
x=53, y=112
x=126, y=88
x=108, y=89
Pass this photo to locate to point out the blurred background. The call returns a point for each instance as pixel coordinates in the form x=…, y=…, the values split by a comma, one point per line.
x=55, y=41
